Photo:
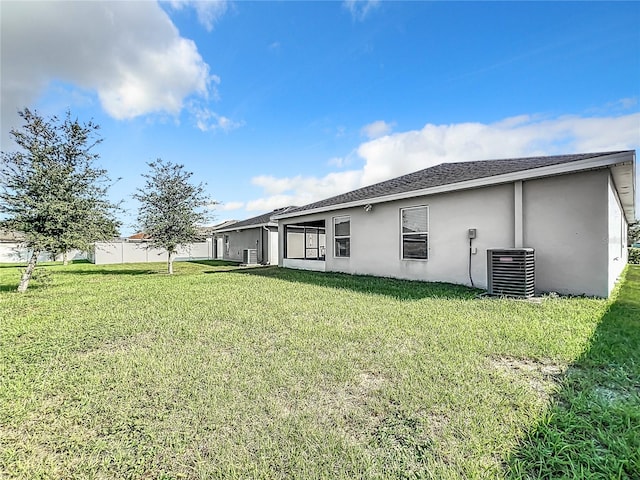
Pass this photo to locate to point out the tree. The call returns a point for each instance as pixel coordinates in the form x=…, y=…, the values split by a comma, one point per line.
x=171, y=207
x=634, y=233
x=50, y=190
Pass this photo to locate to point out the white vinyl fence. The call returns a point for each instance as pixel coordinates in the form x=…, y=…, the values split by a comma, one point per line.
x=15, y=252
x=137, y=252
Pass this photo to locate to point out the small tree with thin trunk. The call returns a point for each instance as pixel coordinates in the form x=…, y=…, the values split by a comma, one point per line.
x=50, y=189
x=171, y=207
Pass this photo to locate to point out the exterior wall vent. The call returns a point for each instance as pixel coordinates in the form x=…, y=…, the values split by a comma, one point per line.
x=511, y=272
x=250, y=256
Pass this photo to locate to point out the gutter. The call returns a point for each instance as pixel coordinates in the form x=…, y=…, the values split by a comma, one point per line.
x=245, y=227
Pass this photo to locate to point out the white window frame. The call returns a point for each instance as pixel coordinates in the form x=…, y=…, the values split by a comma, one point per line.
x=336, y=237
x=403, y=234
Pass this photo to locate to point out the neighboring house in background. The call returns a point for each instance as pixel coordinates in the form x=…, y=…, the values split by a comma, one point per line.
x=573, y=210
x=10, y=236
x=218, y=242
x=256, y=237
x=13, y=250
x=137, y=237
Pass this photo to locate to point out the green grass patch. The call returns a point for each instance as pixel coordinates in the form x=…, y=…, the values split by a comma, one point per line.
x=122, y=371
x=592, y=429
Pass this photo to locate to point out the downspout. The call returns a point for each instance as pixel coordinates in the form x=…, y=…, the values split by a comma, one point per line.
x=264, y=228
x=518, y=231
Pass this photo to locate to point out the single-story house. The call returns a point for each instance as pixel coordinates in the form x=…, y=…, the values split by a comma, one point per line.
x=444, y=223
x=14, y=250
x=250, y=241
x=218, y=242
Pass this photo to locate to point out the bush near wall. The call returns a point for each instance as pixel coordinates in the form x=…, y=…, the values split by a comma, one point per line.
x=634, y=256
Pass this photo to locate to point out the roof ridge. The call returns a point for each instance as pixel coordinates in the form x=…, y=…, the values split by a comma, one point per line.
x=446, y=173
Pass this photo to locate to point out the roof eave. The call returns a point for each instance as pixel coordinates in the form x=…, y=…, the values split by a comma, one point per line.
x=552, y=170
x=623, y=175
x=245, y=227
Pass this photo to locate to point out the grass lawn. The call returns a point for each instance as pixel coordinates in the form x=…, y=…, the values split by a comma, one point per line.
x=122, y=371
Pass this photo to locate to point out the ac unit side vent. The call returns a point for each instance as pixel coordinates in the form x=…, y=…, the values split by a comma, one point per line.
x=511, y=272
x=250, y=256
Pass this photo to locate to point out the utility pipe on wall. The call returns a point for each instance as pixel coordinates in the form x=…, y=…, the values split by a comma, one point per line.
x=518, y=233
x=268, y=260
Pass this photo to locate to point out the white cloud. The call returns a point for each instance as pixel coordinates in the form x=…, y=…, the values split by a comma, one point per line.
x=376, y=129
x=130, y=53
x=405, y=152
x=336, y=162
x=359, y=9
x=270, y=203
x=228, y=206
x=207, y=120
x=623, y=103
x=208, y=11
x=300, y=190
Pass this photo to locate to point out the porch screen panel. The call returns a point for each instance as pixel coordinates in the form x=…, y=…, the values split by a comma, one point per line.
x=295, y=242
x=322, y=238
x=312, y=243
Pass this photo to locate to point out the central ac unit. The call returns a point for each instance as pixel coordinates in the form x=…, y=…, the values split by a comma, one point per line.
x=511, y=272
x=250, y=256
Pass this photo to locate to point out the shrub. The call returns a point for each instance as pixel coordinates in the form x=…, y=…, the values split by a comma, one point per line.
x=634, y=255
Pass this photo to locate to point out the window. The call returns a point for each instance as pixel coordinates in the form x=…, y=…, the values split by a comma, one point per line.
x=226, y=244
x=342, y=236
x=415, y=232
x=305, y=241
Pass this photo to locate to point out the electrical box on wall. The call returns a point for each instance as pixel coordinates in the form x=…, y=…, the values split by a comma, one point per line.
x=472, y=233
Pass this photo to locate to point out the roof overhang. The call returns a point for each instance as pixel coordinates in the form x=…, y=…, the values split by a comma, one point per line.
x=622, y=166
x=624, y=179
x=232, y=228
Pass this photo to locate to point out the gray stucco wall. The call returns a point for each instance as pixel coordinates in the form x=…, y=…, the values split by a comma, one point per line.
x=239, y=241
x=565, y=220
x=376, y=243
x=574, y=223
x=618, y=248
x=253, y=238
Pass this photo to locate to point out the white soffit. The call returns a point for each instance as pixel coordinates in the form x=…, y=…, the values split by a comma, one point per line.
x=623, y=175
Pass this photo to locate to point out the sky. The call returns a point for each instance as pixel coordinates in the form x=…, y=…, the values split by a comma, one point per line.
x=272, y=104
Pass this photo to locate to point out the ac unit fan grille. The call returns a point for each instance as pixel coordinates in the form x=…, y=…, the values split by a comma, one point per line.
x=511, y=272
x=250, y=256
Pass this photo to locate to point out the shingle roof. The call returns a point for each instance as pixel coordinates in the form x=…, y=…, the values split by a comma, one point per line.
x=263, y=219
x=139, y=236
x=445, y=174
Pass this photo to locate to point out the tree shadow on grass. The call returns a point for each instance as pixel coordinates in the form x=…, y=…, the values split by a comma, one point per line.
x=44, y=264
x=592, y=429
x=8, y=287
x=110, y=271
x=58, y=270
x=215, y=263
x=400, y=289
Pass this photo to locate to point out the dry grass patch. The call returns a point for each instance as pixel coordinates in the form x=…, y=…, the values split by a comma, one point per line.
x=542, y=376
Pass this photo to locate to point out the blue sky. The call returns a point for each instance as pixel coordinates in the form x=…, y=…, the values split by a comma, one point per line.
x=284, y=103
